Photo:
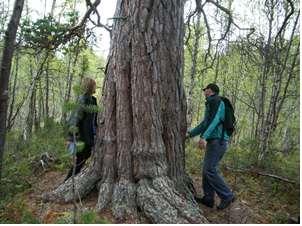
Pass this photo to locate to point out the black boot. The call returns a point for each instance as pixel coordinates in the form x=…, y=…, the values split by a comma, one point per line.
x=205, y=201
x=225, y=203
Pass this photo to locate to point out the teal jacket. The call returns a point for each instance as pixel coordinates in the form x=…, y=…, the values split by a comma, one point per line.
x=211, y=126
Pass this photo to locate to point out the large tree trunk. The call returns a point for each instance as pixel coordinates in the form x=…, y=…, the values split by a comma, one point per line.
x=139, y=163
x=6, y=61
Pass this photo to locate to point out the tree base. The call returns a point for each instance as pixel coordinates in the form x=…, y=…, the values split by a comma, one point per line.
x=157, y=199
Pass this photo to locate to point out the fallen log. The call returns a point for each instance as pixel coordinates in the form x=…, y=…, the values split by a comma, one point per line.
x=254, y=171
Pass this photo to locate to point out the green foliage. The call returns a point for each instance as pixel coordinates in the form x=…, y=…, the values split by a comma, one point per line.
x=43, y=33
x=69, y=106
x=85, y=217
x=244, y=156
x=286, y=165
x=71, y=16
x=240, y=156
x=193, y=157
x=78, y=89
x=91, y=217
x=16, y=211
x=28, y=218
x=20, y=156
x=66, y=218
x=280, y=217
x=18, y=175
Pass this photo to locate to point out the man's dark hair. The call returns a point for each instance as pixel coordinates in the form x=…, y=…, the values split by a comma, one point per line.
x=213, y=87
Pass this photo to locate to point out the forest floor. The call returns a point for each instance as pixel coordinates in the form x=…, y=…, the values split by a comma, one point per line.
x=257, y=202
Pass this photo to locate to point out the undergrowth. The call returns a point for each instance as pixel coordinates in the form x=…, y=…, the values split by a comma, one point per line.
x=272, y=201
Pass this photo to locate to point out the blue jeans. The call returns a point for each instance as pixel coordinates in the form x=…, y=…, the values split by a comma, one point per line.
x=212, y=181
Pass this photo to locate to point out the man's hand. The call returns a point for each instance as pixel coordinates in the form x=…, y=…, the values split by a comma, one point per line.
x=202, y=144
x=67, y=143
x=187, y=135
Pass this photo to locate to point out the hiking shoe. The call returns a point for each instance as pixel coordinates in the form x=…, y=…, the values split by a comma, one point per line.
x=225, y=203
x=205, y=201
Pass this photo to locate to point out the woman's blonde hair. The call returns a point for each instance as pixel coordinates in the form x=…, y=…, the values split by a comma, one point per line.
x=88, y=85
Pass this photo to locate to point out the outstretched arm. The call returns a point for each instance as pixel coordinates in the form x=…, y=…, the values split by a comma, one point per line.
x=76, y=115
x=198, y=129
x=210, y=112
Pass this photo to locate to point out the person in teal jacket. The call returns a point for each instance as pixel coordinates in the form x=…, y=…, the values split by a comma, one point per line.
x=215, y=143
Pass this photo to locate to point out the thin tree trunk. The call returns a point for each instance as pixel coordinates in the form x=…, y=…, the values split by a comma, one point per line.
x=13, y=91
x=217, y=69
x=5, y=67
x=194, y=54
x=30, y=115
x=46, y=116
x=53, y=6
x=53, y=103
x=266, y=50
x=40, y=111
x=277, y=67
x=70, y=76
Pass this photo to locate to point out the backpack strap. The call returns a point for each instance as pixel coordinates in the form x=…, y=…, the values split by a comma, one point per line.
x=222, y=135
x=223, y=129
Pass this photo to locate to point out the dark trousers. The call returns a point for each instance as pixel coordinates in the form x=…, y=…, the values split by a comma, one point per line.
x=81, y=158
x=212, y=181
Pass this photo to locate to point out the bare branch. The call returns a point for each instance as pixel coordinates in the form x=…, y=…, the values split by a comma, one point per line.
x=231, y=20
x=286, y=19
x=98, y=23
x=78, y=29
x=208, y=33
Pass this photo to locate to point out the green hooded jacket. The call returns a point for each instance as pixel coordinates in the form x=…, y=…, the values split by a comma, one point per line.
x=211, y=127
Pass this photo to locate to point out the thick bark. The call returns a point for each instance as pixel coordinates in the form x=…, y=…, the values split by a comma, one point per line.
x=5, y=67
x=139, y=163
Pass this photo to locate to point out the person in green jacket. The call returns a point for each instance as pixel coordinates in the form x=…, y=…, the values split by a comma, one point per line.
x=85, y=120
x=215, y=143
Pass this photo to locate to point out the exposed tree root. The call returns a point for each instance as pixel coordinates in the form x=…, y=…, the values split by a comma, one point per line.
x=84, y=183
x=124, y=200
x=156, y=198
x=161, y=203
x=105, y=195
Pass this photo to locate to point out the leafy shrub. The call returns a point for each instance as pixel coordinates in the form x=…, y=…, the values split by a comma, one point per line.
x=91, y=217
x=193, y=157
x=86, y=217
x=17, y=212
x=20, y=155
